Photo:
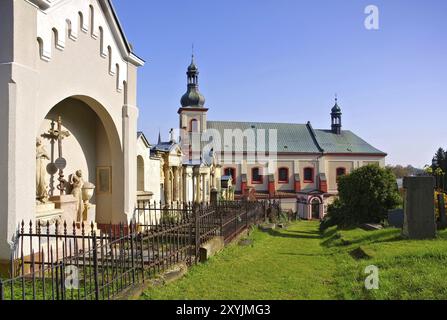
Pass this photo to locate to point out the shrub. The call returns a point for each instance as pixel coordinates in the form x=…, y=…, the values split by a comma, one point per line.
x=365, y=196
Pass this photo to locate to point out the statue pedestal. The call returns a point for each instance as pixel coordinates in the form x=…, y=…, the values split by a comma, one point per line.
x=47, y=212
x=68, y=204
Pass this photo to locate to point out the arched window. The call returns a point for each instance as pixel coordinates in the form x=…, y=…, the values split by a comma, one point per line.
x=283, y=175
x=140, y=173
x=340, y=172
x=309, y=175
x=194, y=126
x=256, y=176
x=231, y=172
x=92, y=21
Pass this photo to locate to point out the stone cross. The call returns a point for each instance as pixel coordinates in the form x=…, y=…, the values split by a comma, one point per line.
x=60, y=163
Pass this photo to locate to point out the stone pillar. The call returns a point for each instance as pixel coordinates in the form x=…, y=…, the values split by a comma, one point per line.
x=180, y=184
x=196, y=178
x=176, y=183
x=168, y=185
x=244, y=189
x=203, y=187
x=214, y=196
x=18, y=127
x=130, y=118
x=322, y=183
x=271, y=185
x=297, y=183
x=419, y=208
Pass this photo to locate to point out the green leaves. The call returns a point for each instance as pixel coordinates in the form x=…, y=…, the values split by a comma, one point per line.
x=365, y=196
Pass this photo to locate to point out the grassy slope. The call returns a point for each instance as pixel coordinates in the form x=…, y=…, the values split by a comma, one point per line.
x=407, y=269
x=300, y=264
x=289, y=265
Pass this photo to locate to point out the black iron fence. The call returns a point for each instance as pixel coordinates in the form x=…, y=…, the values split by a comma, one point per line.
x=81, y=262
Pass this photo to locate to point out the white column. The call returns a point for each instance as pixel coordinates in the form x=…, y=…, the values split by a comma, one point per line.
x=130, y=117
x=18, y=127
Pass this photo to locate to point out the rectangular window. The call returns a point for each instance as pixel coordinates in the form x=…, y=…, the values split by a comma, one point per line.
x=308, y=175
x=283, y=175
x=340, y=172
x=232, y=173
x=256, y=177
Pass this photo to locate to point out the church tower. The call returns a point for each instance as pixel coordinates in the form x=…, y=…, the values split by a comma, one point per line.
x=192, y=116
x=336, y=118
x=192, y=112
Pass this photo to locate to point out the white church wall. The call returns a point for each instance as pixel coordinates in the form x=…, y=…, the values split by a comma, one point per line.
x=32, y=86
x=153, y=178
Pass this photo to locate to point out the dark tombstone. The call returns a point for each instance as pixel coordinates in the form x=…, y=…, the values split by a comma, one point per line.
x=441, y=208
x=396, y=218
x=214, y=196
x=419, y=208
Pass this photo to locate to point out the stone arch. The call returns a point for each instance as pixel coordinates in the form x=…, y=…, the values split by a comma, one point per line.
x=93, y=147
x=316, y=206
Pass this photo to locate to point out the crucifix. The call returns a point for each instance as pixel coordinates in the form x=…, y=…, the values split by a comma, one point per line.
x=58, y=135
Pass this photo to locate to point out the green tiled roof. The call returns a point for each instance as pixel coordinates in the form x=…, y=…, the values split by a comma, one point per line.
x=346, y=142
x=291, y=137
x=299, y=138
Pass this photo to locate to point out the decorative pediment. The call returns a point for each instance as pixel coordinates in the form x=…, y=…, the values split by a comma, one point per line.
x=58, y=18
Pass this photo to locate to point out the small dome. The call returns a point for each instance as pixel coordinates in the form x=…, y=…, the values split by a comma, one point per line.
x=192, y=98
x=336, y=109
x=192, y=67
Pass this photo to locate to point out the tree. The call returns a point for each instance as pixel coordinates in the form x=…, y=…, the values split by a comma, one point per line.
x=365, y=196
x=438, y=168
x=401, y=171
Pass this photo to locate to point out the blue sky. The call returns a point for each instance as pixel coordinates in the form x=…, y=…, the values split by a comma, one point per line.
x=283, y=61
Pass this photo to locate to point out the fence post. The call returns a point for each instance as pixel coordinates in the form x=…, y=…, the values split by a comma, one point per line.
x=196, y=211
x=220, y=213
x=132, y=227
x=62, y=271
x=95, y=265
x=247, y=224
x=140, y=236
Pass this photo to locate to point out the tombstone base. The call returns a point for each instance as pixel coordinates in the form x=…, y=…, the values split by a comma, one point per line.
x=47, y=212
x=69, y=205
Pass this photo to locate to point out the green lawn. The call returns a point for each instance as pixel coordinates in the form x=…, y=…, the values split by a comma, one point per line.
x=300, y=263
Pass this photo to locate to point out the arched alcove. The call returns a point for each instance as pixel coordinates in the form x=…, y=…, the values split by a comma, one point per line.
x=93, y=146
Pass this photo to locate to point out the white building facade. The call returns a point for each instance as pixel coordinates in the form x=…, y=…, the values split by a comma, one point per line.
x=67, y=60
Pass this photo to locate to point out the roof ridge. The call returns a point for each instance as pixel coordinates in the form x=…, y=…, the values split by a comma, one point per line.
x=314, y=136
x=262, y=122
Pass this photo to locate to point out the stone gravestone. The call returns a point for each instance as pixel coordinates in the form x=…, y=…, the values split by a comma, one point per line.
x=441, y=208
x=419, y=208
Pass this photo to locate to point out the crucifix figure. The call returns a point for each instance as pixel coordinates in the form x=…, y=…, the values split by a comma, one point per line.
x=60, y=163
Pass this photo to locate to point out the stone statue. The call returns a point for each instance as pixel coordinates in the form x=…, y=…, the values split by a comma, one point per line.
x=77, y=184
x=41, y=184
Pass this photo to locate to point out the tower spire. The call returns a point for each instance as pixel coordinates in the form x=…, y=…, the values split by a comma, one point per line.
x=336, y=117
x=193, y=98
